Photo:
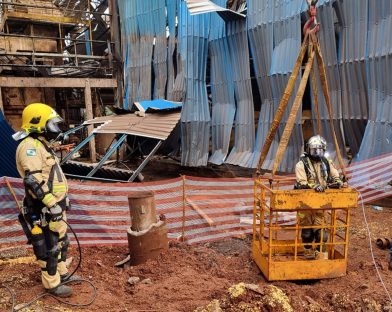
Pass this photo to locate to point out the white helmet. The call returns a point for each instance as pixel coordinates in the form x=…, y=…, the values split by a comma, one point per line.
x=316, y=146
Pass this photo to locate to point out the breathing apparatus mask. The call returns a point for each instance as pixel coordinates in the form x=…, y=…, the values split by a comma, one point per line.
x=315, y=148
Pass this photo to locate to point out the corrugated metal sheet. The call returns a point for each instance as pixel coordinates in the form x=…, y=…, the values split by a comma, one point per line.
x=130, y=49
x=353, y=16
x=8, y=150
x=275, y=37
x=172, y=10
x=157, y=105
x=244, y=126
x=143, y=26
x=195, y=117
x=326, y=16
x=354, y=40
x=156, y=126
x=222, y=89
x=378, y=135
x=160, y=48
x=76, y=169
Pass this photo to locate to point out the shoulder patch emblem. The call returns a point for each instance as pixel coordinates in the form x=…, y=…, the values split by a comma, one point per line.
x=31, y=152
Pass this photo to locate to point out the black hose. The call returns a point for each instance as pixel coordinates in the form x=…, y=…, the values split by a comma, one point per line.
x=80, y=252
x=12, y=295
x=67, y=281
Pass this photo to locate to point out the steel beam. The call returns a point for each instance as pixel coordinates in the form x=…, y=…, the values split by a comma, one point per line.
x=40, y=82
x=107, y=155
x=77, y=148
x=145, y=161
x=50, y=54
x=74, y=176
x=74, y=130
x=90, y=115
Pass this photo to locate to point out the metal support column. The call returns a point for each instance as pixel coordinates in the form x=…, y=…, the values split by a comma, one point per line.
x=90, y=115
x=77, y=148
x=145, y=161
x=107, y=155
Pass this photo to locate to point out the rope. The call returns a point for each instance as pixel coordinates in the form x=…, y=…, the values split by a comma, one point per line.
x=371, y=247
x=316, y=102
x=312, y=44
x=293, y=114
x=283, y=104
x=324, y=84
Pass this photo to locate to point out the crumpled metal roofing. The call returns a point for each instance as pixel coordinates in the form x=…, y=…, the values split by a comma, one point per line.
x=326, y=16
x=193, y=35
x=200, y=7
x=8, y=150
x=354, y=41
x=222, y=90
x=143, y=28
x=76, y=169
x=244, y=126
x=155, y=126
x=274, y=30
x=378, y=134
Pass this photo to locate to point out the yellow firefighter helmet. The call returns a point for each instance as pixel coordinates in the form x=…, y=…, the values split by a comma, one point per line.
x=38, y=118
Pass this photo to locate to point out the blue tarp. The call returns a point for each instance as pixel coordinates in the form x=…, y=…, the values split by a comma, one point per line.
x=7, y=152
x=157, y=105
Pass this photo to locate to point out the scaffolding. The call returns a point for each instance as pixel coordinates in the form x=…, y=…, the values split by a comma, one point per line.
x=55, y=40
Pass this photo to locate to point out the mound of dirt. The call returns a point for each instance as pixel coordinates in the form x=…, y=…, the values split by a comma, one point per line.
x=219, y=276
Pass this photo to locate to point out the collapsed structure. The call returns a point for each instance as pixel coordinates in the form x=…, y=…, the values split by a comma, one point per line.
x=227, y=61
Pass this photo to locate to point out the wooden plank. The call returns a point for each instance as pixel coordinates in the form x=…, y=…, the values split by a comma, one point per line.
x=89, y=115
x=44, y=18
x=14, y=44
x=39, y=82
x=196, y=208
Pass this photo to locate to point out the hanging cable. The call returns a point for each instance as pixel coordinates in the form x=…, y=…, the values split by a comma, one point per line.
x=371, y=247
x=43, y=294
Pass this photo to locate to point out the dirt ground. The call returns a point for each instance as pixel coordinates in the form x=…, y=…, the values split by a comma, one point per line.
x=189, y=278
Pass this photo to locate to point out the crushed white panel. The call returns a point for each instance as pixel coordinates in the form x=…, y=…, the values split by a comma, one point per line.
x=202, y=7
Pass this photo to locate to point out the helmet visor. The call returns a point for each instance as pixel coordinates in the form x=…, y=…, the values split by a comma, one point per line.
x=20, y=135
x=53, y=126
x=316, y=152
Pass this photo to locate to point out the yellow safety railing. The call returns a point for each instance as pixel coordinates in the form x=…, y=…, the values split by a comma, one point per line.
x=277, y=247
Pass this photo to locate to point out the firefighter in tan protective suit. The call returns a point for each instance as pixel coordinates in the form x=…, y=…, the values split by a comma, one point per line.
x=46, y=198
x=315, y=171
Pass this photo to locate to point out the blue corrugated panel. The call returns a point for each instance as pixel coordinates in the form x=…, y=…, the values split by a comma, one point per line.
x=244, y=127
x=7, y=152
x=326, y=17
x=354, y=40
x=160, y=105
x=145, y=23
x=172, y=8
x=222, y=89
x=378, y=135
x=352, y=20
x=275, y=38
x=143, y=26
x=195, y=117
x=130, y=49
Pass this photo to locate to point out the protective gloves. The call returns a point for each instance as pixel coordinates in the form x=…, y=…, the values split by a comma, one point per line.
x=56, y=213
x=319, y=188
x=335, y=185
